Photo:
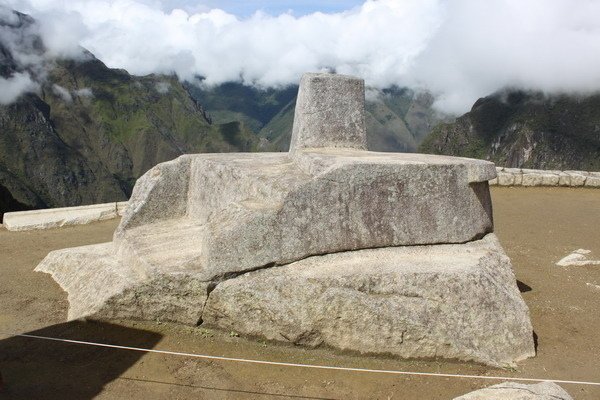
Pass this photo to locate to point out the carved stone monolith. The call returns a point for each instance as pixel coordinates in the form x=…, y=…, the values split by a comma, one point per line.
x=327, y=244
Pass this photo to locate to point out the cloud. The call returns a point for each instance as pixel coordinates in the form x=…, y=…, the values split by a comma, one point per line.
x=13, y=87
x=484, y=46
x=84, y=92
x=26, y=59
x=163, y=87
x=460, y=49
x=264, y=50
x=62, y=92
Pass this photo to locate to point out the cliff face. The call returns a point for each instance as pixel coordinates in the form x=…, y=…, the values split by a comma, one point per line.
x=89, y=131
x=520, y=129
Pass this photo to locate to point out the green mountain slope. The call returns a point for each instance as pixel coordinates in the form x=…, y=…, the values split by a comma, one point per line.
x=520, y=129
x=397, y=119
x=233, y=101
x=90, y=131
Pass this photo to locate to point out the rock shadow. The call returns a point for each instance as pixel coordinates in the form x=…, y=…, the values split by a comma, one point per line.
x=42, y=369
x=523, y=287
x=482, y=192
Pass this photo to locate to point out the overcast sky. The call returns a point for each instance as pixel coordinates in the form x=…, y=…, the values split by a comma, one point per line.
x=458, y=49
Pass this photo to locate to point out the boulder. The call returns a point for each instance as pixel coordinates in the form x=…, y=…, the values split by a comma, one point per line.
x=374, y=252
x=519, y=391
x=451, y=301
x=238, y=212
x=101, y=287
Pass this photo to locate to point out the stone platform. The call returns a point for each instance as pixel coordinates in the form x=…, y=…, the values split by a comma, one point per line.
x=327, y=244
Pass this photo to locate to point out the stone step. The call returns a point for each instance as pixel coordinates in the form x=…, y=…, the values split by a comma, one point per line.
x=169, y=246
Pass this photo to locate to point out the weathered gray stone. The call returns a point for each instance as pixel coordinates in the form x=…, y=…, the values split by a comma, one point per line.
x=506, y=179
x=583, y=173
x=100, y=286
x=121, y=207
x=519, y=391
x=159, y=194
x=453, y=301
x=564, y=179
x=592, y=181
x=329, y=113
x=530, y=179
x=577, y=179
x=244, y=211
x=549, y=179
x=577, y=258
x=534, y=177
x=59, y=217
x=208, y=219
x=518, y=179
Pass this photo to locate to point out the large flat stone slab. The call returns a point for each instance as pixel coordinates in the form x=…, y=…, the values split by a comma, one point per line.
x=57, y=217
x=252, y=210
x=451, y=301
x=404, y=301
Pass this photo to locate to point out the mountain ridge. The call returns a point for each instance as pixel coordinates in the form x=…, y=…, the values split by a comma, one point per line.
x=397, y=119
x=516, y=128
x=88, y=131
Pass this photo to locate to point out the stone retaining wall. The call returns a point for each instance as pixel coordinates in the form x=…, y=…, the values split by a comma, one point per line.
x=57, y=217
x=538, y=177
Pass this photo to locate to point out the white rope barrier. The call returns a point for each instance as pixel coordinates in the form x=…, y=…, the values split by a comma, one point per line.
x=286, y=364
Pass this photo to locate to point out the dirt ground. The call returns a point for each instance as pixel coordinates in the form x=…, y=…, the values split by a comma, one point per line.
x=537, y=227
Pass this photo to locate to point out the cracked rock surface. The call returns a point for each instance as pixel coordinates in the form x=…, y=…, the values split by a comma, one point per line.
x=328, y=244
x=406, y=301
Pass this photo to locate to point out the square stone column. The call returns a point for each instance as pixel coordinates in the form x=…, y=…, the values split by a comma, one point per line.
x=330, y=112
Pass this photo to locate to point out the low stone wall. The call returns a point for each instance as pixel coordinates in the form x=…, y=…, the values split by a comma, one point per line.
x=538, y=177
x=57, y=217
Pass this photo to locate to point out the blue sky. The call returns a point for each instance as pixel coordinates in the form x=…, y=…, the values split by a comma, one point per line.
x=244, y=8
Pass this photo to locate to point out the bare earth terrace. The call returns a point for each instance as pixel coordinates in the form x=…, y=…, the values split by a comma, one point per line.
x=536, y=226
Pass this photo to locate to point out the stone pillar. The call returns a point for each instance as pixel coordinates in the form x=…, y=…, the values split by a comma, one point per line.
x=330, y=112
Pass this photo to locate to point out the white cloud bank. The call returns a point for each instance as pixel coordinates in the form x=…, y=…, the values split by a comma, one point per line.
x=458, y=49
x=14, y=86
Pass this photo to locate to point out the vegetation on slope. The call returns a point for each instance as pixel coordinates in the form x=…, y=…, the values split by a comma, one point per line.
x=523, y=129
x=91, y=131
x=397, y=119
